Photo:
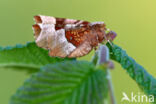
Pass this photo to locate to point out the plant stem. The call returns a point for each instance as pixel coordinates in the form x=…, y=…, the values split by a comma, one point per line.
x=138, y=73
x=103, y=59
x=110, y=86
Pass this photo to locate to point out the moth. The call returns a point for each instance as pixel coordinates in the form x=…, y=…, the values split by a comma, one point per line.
x=69, y=37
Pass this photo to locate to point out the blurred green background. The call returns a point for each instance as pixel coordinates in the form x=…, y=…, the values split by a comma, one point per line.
x=133, y=20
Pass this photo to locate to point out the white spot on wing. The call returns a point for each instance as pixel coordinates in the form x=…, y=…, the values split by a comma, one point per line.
x=94, y=23
x=70, y=21
x=69, y=26
x=48, y=19
x=54, y=40
x=66, y=47
x=46, y=31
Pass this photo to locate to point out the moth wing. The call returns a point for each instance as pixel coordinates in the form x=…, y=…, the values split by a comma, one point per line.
x=44, y=19
x=50, y=34
x=53, y=20
x=53, y=40
x=42, y=33
x=82, y=50
x=59, y=22
x=60, y=47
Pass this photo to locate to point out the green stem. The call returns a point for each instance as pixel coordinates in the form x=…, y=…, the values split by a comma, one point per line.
x=145, y=81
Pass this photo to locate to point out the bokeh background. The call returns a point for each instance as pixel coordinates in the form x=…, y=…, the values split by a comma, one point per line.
x=133, y=20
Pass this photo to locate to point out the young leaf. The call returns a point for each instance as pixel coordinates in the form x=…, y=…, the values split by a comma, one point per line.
x=145, y=81
x=27, y=56
x=69, y=82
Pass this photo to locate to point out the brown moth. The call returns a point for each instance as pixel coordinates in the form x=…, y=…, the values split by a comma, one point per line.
x=68, y=37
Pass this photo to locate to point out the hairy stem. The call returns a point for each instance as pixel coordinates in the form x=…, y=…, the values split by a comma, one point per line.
x=145, y=81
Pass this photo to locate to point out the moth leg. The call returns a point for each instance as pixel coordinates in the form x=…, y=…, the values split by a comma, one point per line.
x=106, y=40
x=110, y=42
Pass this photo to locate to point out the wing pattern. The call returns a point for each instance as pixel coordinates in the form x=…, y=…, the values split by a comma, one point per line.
x=67, y=37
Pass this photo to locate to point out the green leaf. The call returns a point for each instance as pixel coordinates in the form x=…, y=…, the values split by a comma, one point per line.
x=70, y=82
x=145, y=81
x=27, y=56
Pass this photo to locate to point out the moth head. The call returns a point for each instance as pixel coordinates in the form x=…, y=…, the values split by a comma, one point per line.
x=99, y=28
x=111, y=35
